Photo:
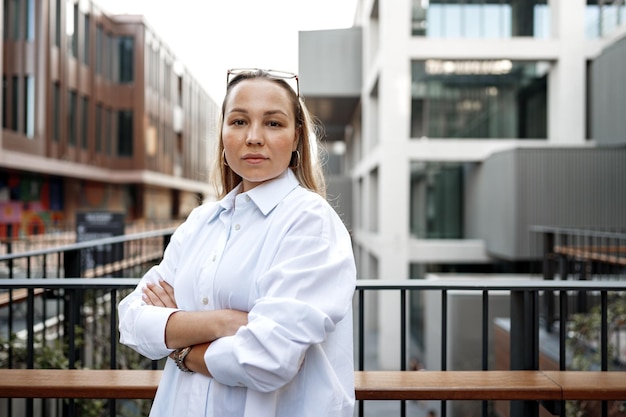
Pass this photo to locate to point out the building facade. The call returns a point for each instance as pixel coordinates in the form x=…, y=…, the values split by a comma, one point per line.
x=97, y=115
x=465, y=124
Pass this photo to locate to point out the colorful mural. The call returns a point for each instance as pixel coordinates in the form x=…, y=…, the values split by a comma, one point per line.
x=29, y=204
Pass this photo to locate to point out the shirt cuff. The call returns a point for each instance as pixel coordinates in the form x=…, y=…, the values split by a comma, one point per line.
x=151, y=329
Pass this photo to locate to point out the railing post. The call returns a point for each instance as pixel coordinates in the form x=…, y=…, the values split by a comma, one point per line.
x=10, y=247
x=524, y=350
x=166, y=241
x=548, y=274
x=71, y=263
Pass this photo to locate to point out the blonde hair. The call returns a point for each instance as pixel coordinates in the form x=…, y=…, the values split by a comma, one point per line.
x=307, y=167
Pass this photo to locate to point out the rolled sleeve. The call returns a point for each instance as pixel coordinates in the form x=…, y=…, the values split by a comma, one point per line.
x=142, y=327
x=268, y=352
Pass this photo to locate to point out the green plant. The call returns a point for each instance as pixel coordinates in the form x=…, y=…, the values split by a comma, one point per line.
x=584, y=341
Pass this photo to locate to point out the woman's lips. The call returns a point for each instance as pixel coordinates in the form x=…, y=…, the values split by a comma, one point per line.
x=254, y=158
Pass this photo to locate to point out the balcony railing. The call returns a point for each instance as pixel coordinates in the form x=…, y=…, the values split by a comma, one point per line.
x=53, y=322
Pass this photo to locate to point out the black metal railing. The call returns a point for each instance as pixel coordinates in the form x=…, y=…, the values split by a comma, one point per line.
x=118, y=256
x=47, y=320
x=98, y=299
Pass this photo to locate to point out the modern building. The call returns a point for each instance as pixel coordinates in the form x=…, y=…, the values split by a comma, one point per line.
x=98, y=114
x=465, y=124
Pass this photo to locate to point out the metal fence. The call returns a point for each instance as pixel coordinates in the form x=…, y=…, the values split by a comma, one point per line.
x=56, y=320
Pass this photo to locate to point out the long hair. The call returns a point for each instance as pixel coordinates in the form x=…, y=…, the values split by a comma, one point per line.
x=307, y=167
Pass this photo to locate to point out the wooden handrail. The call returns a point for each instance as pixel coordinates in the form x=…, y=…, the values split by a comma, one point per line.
x=369, y=385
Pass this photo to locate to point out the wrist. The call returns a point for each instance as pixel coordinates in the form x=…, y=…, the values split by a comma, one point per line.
x=179, y=356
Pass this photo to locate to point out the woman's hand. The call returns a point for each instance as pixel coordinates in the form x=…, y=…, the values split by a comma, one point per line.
x=159, y=295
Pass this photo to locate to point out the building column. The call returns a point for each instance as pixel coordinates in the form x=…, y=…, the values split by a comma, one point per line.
x=567, y=79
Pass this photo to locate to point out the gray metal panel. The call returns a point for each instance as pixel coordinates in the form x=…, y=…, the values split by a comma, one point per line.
x=608, y=96
x=330, y=63
x=495, y=203
x=522, y=188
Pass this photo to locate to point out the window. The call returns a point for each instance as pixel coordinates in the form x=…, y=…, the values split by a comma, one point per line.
x=57, y=23
x=29, y=106
x=99, y=112
x=99, y=49
x=481, y=19
x=107, y=60
x=481, y=99
x=5, y=19
x=125, y=133
x=86, y=40
x=84, y=125
x=126, y=67
x=15, y=100
x=15, y=8
x=30, y=20
x=71, y=118
x=71, y=27
x=603, y=18
x=56, y=112
x=436, y=202
x=5, y=102
x=108, y=131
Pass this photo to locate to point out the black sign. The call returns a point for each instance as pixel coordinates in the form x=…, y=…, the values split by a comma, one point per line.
x=99, y=225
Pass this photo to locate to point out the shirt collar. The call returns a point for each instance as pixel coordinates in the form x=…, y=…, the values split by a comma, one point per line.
x=266, y=196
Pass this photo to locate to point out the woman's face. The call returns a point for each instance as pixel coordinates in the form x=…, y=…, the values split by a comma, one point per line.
x=259, y=131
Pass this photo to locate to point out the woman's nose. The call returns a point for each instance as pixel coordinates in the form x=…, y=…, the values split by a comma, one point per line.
x=255, y=136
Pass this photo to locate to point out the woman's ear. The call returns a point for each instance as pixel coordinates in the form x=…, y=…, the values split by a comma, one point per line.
x=297, y=139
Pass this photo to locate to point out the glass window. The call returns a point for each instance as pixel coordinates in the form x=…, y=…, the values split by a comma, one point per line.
x=30, y=20
x=436, y=201
x=107, y=60
x=71, y=20
x=5, y=102
x=56, y=112
x=126, y=66
x=86, y=40
x=125, y=133
x=71, y=118
x=57, y=23
x=99, y=49
x=108, y=131
x=15, y=100
x=5, y=19
x=480, y=18
x=29, y=106
x=479, y=99
x=84, y=124
x=99, y=128
x=15, y=8
x=603, y=18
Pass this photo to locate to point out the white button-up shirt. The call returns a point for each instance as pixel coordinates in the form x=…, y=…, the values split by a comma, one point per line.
x=283, y=254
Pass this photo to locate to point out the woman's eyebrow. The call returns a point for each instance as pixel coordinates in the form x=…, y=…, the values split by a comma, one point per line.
x=265, y=113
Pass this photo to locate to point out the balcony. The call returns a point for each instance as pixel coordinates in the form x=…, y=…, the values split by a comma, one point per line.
x=49, y=320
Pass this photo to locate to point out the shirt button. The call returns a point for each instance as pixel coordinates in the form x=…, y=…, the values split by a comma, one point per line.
x=214, y=257
x=205, y=301
x=247, y=198
x=237, y=227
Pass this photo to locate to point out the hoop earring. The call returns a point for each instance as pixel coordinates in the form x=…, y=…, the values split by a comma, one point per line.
x=224, y=158
x=295, y=164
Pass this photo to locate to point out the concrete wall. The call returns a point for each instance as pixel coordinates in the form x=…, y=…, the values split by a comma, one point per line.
x=330, y=62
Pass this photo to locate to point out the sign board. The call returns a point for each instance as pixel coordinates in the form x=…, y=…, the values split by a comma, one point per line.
x=99, y=225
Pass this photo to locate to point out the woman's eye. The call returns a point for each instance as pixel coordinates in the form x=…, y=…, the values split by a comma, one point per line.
x=274, y=123
x=238, y=122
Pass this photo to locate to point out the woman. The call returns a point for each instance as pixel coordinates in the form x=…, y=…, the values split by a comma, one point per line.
x=253, y=297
